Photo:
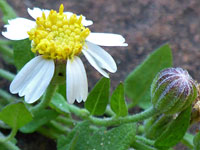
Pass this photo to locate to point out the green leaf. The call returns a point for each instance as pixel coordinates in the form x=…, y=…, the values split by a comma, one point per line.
x=137, y=84
x=59, y=103
x=176, y=130
x=117, y=102
x=83, y=138
x=77, y=139
x=15, y=115
x=22, y=52
x=98, y=98
x=196, y=141
x=118, y=138
x=38, y=120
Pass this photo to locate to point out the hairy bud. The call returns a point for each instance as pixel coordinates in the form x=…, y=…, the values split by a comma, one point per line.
x=173, y=90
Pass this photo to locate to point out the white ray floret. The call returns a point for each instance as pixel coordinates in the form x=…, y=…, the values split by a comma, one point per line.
x=17, y=28
x=106, y=39
x=33, y=79
x=77, y=87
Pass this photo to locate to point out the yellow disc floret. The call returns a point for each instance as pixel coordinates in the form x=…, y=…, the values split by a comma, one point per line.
x=58, y=37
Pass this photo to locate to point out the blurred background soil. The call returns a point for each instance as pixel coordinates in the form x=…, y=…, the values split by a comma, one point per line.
x=146, y=25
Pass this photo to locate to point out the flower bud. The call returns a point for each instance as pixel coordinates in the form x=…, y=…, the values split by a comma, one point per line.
x=173, y=90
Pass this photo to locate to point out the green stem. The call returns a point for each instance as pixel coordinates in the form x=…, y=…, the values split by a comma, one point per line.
x=141, y=129
x=5, y=95
x=10, y=136
x=9, y=145
x=46, y=98
x=145, y=140
x=109, y=111
x=5, y=42
x=138, y=145
x=7, y=75
x=60, y=128
x=83, y=113
x=117, y=121
x=7, y=10
x=66, y=121
x=6, y=51
x=188, y=140
x=48, y=133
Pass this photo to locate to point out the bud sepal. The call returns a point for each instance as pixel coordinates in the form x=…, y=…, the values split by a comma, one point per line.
x=173, y=90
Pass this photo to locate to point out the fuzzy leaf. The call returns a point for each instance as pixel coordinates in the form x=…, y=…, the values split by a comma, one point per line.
x=76, y=139
x=117, y=102
x=38, y=120
x=176, y=130
x=83, y=138
x=138, y=83
x=15, y=115
x=98, y=98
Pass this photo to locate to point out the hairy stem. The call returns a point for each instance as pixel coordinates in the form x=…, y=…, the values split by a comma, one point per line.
x=10, y=136
x=46, y=98
x=5, y=95
x=83, y=113
x=7, y=75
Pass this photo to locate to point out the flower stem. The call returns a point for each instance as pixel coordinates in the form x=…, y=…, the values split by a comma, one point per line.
x=46, y=98
x=83, y=113
x=10, y=136
x=109, y=111
x=48, y=133
x=8, y=11
x=5, y=95
x=188, y=140
x=145, y=140
x=7, y=75
x=117, y=121
x=141, y=146
x=66, y=121
x=5, y=42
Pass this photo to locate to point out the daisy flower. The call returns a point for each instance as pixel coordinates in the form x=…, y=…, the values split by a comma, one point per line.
x=59, y=37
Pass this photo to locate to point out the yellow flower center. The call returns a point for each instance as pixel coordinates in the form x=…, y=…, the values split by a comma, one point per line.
x=58, y=37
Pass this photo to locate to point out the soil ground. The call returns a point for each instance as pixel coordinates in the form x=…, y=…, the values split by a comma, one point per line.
x=146, y=25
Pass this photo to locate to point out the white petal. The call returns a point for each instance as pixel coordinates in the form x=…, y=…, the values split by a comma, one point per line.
x=37, y=12
x=83, y=79
x=17, y=28
x=93, y=62
x=35, y=72
x=103, y=58
x=77, y=87
x=106, y=39
x=40, y=82
x=86, y=22
x=33, y=79
x=69, y=14
x=20, y=79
